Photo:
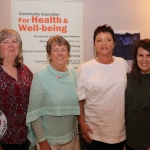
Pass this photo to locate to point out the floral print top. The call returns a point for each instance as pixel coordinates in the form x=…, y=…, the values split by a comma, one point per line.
x=14, y=99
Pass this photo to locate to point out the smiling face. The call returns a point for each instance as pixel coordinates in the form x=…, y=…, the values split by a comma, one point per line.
x=59, y=55
x=143, y=60
x=104, y=43
x=9, y=48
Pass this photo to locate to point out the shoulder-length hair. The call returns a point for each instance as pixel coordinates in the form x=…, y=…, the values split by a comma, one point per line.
x=135, y=70
x=5, y=33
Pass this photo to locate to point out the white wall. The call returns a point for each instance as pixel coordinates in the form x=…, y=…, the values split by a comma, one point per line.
x=120, y=14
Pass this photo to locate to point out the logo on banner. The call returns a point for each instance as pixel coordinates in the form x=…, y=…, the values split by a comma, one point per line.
x=3, y=124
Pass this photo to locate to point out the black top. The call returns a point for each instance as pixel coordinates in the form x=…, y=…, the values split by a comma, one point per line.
x=137, y=106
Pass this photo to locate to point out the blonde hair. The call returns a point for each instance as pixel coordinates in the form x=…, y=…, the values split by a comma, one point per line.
x=5, y=33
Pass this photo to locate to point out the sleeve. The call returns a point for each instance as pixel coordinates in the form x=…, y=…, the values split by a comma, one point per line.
x=35, y=108
x=38, y=130
x=81, y=83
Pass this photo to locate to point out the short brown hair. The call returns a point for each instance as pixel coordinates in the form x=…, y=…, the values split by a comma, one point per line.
x=5, y=33
x=104, y=28
x=57, y=40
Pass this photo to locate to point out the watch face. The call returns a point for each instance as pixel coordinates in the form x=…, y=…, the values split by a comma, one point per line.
x=3, y=124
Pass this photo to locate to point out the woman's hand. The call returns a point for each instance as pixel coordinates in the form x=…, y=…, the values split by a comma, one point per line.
x=44, y=145
x=84, y=131
x=148, y=148
x=83, y=126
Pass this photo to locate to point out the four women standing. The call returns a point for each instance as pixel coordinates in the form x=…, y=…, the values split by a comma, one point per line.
x=101, y=83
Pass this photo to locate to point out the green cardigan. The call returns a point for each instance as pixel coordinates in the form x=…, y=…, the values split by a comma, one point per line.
x=137, y=112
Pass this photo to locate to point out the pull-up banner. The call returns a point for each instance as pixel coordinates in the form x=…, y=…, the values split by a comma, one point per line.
x=37, y=21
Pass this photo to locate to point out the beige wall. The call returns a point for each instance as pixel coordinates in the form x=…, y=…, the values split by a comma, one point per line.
x=5, y=16
x=120, y=14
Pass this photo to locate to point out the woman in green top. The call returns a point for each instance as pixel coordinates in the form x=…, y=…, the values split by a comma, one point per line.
x=137, y=99
x=53, y=102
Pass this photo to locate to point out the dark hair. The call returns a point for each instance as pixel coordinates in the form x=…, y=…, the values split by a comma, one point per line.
x=5, y=33
x=104, y=28
x=57, y=40
x=145, y=44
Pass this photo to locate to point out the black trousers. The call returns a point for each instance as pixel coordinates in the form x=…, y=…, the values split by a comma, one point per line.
x=24, y=146
x=128, y=147
x=97, y=145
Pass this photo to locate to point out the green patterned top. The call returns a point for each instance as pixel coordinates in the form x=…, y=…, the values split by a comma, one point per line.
x=53, y=104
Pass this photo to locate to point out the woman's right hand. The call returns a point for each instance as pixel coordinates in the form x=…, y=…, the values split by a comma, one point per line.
x=84, y=131
x=44, y=145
